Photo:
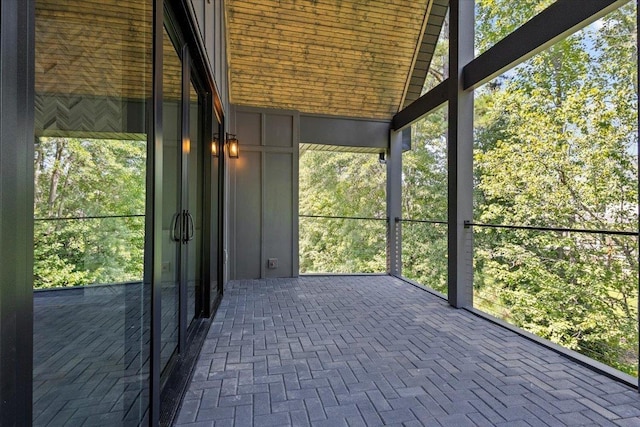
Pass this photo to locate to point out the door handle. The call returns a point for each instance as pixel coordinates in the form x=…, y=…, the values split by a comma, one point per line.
x=192, y=227
x=183, y=231
x=175, y=227
x=185, y=224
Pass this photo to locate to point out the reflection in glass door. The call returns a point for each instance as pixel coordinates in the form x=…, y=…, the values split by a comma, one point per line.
x=91, y=301
x=215, y=220
x=182, y=171
x=172, y=221
x=97, y=205
x=193, y=192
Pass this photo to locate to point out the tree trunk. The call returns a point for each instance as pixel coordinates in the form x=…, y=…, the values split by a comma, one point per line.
x=55, y=176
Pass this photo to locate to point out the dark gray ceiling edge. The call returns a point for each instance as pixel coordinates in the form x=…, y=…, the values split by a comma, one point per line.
x=427, y=48
x=346, y=132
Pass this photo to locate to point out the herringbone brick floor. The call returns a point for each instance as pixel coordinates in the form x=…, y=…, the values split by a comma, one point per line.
x=372, y=351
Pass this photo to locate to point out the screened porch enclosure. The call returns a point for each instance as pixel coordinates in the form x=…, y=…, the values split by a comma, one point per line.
x=524, y=205
x=274, y=212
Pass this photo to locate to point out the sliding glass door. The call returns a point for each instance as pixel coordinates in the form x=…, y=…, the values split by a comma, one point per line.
x=172, y=226
x=92, y=304
x=192, y=200
x=183, y=154
x=126, y=210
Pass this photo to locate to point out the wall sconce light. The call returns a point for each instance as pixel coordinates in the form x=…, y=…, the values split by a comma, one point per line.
x=215, y=143
x=382, y=158
x=232, y=143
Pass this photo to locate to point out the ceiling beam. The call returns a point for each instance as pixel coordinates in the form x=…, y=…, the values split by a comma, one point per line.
x=559, y=20
x=556, y=22
x=421, y=106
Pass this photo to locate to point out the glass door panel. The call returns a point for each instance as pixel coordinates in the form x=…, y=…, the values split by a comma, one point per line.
x=215, y=216
x=172, y=220
x=91, y=302
x=194, y=206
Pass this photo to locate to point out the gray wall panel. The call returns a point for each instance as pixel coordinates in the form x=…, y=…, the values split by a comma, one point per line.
x=249, y=128
x=247, y=227
x=210, y=31
x=265, y=215
x=278, y=130
x=278, y=213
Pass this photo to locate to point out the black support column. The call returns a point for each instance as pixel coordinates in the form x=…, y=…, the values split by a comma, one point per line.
x=460, y=156
x=17, y=35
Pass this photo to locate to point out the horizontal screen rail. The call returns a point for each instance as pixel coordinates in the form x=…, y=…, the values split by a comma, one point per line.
x=421, y=221
x=75, y=218
x=343, y=217
x=468, y=224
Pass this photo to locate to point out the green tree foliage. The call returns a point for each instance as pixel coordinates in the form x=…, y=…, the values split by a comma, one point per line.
x=556, y=145
x=497, y=18
x=424, y=197
x=342, y=184
x=424, y=185
x=84, y=178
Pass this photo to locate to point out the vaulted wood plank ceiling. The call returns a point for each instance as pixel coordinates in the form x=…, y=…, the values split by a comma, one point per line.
x=350, y=58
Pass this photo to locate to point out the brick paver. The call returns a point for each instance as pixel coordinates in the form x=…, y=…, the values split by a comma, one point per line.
x=91, y=353
x=89, y=366
x=374, y=350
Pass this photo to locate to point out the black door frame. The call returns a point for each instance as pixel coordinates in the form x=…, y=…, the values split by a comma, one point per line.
x=184, y=19
x=168, y=387
x=17, y=20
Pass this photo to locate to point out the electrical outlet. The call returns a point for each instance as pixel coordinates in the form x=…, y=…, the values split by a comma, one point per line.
x=272, y=263
x=166, y=267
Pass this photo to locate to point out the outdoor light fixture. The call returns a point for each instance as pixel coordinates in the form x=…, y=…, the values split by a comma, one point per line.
x=214, y=145
x=232, y=143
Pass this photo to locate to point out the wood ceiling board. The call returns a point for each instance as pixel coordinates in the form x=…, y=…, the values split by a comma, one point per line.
x=293, y=48
x=353, y=111
x=329, y=75
x=356, y=54
x=312, y=94
x=343, y=12
x=350, y=58
x=355, y=34
x=93, y=48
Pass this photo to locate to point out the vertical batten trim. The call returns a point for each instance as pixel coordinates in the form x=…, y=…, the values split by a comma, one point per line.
x=295, y=190
x=263, y=177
